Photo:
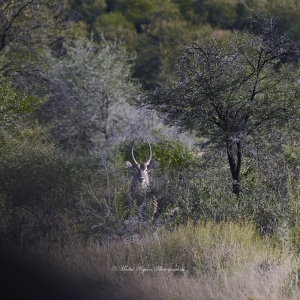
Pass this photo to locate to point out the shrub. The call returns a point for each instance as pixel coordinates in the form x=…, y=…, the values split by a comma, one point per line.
x=40, y=185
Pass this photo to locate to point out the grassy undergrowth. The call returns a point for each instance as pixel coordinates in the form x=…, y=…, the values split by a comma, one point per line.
x=207, y=261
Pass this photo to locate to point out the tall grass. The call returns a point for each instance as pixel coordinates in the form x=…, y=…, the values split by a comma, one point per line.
x=207, y=261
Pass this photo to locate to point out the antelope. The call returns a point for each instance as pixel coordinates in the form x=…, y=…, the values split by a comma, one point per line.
x=140, y=171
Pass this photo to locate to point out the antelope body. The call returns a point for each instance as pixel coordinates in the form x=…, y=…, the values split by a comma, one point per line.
x=140, y=171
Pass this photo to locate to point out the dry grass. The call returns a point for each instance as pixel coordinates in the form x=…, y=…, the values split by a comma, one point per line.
x=225, y=261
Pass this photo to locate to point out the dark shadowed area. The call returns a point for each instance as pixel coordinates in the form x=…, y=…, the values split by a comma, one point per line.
x=19, y=279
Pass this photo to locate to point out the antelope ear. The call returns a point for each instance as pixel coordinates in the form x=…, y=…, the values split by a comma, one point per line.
x=153, y=165
x=128, y=165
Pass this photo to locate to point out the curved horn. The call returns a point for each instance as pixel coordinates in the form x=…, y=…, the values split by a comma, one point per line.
x=132, y=156
x=150, y=154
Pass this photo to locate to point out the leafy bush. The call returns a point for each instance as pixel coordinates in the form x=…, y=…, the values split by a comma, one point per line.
x=45, y=189
x=171, y=154
x=185, y=186
x=111, y=206
x=15, y=105
x=40, y=185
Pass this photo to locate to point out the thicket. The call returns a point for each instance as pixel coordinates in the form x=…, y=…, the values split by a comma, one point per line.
x=46, y=191
x=158, y=31
x=64, y=140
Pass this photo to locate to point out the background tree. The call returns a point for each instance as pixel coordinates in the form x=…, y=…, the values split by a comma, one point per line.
x=27, y=28
x=15, y=106
x=91, y=89
x=231, y=93
x=287, y=13
x=157, y=24
x=155, y=29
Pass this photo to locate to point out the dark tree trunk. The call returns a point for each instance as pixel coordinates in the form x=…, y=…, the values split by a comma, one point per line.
x=235, y=164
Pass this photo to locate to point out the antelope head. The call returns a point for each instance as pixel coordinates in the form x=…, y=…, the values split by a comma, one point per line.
x=140, y=171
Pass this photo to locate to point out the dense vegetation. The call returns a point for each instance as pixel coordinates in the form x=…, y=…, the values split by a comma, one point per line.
x=80, y=80
x=157, y=31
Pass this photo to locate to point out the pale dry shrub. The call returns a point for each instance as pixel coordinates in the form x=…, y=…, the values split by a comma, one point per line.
x=220, y=261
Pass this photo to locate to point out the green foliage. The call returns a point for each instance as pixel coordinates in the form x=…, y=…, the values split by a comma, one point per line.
x=287, y=13
x=28, y=28
x=291, y=154
x=156, y=24
x=45, y=189
x=89, y=9
x=113, y=19
x=174, y=155
x=135, y=11
x=90, y=81
x=15, y=105
x=149, y=27
x=228, y=94
x=171, y=154
x=224, y=14
x=188, y=186
x=294, y=237
x=40, y=185
x=93, y=81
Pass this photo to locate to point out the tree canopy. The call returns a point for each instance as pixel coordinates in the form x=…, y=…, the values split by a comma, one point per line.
x=229, y=93
x=90, y=88
x=156, y=30
x=27, y=28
